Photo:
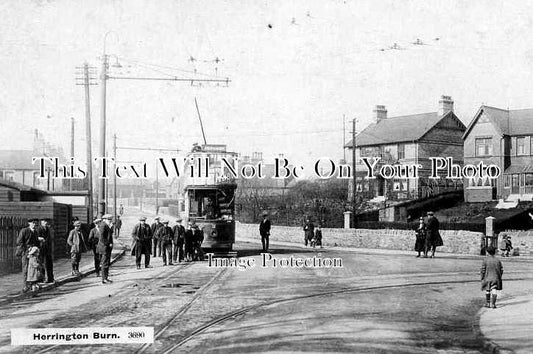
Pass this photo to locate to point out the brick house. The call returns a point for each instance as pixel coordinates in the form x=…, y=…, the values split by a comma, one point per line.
x=410, y=139
x=505, y=138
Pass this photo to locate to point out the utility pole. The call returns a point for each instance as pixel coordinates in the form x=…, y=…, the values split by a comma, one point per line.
x=102, y=182
x=115, y=182
x=354, y=172
x=344, y=137
x=87, y=79
x=156, y=189
x=71, y=149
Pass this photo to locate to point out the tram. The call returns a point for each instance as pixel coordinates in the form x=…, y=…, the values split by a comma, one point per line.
x=210, y=197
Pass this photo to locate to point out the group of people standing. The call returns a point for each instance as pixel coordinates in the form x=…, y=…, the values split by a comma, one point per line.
x=427, y=235
x=176, y=244
x=100, y=241
x=35, y=251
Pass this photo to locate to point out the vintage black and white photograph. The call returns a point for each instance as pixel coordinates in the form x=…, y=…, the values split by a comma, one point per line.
x=220, y=176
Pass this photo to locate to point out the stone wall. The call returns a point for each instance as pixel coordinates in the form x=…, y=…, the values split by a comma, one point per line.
x=455, y=241
x=522, y=241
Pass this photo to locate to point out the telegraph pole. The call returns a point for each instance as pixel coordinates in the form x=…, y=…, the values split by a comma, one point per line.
x=115, y=182
x=354, y=172
x=102, y=181
x=87, y=79
x=71, y=149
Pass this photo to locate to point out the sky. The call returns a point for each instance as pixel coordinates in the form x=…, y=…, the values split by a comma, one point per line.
x=298, y=69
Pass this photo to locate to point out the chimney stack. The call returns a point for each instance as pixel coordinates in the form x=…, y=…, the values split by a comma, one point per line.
x=445, y=105
x=380, y=112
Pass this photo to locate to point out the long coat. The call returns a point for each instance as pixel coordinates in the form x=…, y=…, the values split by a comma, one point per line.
x=105, y=243
x=179, y=234
x=434, y=238
x=264, y=227
x=142, y=237
x=26, y=239
x=94, y=238
x=491, y=273
x=309, y=230
x=75, y=240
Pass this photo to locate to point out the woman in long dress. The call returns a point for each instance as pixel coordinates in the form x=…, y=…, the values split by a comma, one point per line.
x=420, y=237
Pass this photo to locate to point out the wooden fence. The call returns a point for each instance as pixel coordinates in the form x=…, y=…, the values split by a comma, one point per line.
x=9, y=229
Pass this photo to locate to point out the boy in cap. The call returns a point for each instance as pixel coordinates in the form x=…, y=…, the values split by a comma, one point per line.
x=105, y=246
x=75, y=241
x=94, y=238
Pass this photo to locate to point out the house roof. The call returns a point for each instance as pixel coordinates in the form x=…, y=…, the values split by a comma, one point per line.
x=507, y=122
x=20, y=187
x=17, y=160
x=397, y=129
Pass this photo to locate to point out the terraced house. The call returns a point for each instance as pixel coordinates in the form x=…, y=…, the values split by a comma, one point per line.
x=410, y=139
x=505, y=138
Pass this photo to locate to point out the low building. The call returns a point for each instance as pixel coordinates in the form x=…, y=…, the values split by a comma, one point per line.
x=504, y=138
x=408, y=140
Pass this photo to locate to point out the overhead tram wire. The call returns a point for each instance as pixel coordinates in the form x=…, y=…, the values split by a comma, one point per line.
x=148, y=65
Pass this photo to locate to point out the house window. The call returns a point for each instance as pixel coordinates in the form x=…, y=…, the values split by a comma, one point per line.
x=9, y=176
x=401, y=151
x=507, y=181
x=483, y=146
x=520, y=146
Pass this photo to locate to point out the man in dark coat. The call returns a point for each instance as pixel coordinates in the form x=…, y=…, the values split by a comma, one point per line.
x=26, y=239
x=433, y=237
x=142, y=242
x=178, y=231
x=189, y=242
x=309, y=230
x=156, y=246
x=264, y=231
x=94, y=239
x=198, y=237
x=164, y=235
x=105, y=246
x=45, y=251
x=118, y=226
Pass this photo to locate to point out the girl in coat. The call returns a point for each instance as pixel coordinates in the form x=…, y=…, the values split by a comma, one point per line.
x=420, y=243
x=491, y=277
x=35, y=273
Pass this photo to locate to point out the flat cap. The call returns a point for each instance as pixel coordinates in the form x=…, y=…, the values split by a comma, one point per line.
x=142, y=218
x=430, y=213
x=179, y=220
x=77, y=223
x=33, y=220
x=107, y=216
x=157, y=218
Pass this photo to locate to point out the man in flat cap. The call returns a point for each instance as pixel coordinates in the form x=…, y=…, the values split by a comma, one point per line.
x=164, y=235
x=45, y=240
x=75, y=241
x=105, y=246
x=156, y=246
x=142, y=242
x=26, y=239
x=94, y=239
x=178, y=232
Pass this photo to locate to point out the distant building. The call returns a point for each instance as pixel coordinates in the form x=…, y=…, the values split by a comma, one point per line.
x=505, y=138
x=408, y=140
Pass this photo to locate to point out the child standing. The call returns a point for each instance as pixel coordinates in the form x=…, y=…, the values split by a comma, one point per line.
x=318, y=235
x=491, y=277
x=35, y=274
x=502, y=245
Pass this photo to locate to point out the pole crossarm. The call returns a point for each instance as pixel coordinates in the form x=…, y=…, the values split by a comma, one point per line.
x=148, y=149
x=226, y=81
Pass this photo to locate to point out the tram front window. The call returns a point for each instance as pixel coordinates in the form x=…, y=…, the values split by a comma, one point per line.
x=210, y=205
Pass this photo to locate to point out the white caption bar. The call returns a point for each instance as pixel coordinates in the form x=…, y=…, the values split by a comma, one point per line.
x=89, y=335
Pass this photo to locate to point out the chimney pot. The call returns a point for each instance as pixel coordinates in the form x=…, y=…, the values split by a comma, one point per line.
x=380, y=112
x=445, y=105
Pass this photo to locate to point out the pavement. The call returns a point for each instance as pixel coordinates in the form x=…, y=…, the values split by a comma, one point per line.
x=506, y=329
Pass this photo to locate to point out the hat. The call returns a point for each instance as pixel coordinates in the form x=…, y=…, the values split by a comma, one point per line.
x=164, y=221
x=33, y=220
x=157, y=218
x=77, y=223
x=430, y=213
x=107, y=216
x=142, y=218
x=265, y=213
x=179, y=220
x=33, y=250
x=97, y=220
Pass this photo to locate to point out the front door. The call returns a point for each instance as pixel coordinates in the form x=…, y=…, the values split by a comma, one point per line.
x=515, y=187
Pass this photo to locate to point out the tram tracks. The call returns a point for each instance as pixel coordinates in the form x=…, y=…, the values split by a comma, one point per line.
x=194, y=333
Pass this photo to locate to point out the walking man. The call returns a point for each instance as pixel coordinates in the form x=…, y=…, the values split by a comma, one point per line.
x=165, y=236
x=142, y=237
x=105, y=246
x=26, y=239
x=178, y=231
x=156, y=246
x=118, y=226
x=309, y=230
x=45, y=253
x=75, y=241
x=94, y=239
x=433, y=237
x=264, y=231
